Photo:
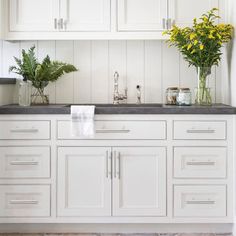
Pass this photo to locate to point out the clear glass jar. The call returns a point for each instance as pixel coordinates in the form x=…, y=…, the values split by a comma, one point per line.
x=25, y=93
x=184, y=97
x=171, y=95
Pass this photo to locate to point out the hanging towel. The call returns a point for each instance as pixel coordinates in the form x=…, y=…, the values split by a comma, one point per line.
x=82, y=121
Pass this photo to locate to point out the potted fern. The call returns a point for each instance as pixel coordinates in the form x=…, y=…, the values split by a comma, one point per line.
x=40, y=74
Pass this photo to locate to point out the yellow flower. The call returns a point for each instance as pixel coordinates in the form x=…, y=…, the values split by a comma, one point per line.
x=192, y=36
x=189, y=46
x=201, y=46
x=211, y=36
x=195, y=42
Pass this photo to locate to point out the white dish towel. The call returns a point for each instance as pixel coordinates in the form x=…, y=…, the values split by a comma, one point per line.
x=82, y=121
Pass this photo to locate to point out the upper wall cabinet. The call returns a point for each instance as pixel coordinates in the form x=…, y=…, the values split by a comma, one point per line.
x=142, y=15
x=33, y=15
x=182, y=12
x=97, y=19
x=85, y=15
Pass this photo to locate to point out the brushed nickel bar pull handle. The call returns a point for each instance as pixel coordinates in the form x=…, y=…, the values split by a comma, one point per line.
x=119, y=166
x=24, y=130
x=33, y=202
x=207, y=202
x=169, y=23
x=107, y=164
x=55, y=23
x=164, y=23
x=201, y=131
x=114, y=164
x=61, y=23
x=24, y=163
x=110, y=131
x=200, y=163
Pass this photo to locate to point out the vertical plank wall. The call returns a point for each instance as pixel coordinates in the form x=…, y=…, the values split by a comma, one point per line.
x=151, y=64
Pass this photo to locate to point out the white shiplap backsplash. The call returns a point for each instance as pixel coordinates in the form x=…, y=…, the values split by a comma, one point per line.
x=151, y=64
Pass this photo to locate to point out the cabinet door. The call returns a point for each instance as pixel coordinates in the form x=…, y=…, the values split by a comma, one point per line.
x=139, y=183
x=141, y=15
x=86, y=15
x=33, y=15
x=182, y=12
x=84, y=181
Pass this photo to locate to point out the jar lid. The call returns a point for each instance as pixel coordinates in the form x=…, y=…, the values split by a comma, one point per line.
x=184, y=89
x=172, y=88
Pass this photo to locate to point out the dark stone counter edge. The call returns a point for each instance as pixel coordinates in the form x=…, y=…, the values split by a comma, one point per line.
x=7, y=81
x=122, y=111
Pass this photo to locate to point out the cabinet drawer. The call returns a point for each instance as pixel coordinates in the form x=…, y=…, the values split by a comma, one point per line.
x=24, y=162
x=119, y=130
x=24, y=129
x=200, y=201
x=24, y=201
x=200, y=162
x=200, y=130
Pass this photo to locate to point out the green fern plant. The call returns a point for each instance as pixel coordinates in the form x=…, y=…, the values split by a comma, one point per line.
x=40, y=74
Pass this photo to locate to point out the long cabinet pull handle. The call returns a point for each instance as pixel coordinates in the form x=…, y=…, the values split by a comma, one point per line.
x=34, y=202
x=163, y=23
x=119, y=165
x=24, y=163
x=24, y=130
x=206, y=202
x=107, y=165
x=200, y=163
x=55, y=23
x=200, y=131
x=114, y=164
x=61, y=23
x=110, y=131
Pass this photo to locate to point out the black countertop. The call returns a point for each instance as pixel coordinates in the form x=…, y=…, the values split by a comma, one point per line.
x=122, y=109
x=4, y=80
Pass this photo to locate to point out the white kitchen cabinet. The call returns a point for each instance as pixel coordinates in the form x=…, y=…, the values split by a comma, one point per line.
x=86, y=15
x=142, y=15
x=139, y=183
x=33, y=15
x=182, y=12
x=84, y=181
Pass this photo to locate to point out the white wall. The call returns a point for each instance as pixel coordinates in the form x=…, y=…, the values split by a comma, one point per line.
x=151, y=64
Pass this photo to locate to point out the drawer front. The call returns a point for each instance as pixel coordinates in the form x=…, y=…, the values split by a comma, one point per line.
x=185, y=130
x=18, y=130
x=119, y=130
x=200, y=201
x=24, y=201
x=24, y=162
x=200, y=162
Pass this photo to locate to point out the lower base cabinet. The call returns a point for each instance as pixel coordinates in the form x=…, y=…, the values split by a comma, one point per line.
x=88, y=175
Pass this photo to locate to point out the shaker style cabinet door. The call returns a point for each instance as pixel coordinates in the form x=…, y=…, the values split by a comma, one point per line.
x=84, y=181
x=86, y=15
x=182, y=12
x=139, y=181
x=33, y=15
x=141, y=15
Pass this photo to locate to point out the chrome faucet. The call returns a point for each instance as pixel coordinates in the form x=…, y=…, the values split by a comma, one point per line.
x=117, y=97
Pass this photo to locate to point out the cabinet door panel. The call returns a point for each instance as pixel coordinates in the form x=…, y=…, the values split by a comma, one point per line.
x=139, y=183
x=33, y=15
x=141, y=15
x=86, y=15
x=184, y=11
x=84, y=186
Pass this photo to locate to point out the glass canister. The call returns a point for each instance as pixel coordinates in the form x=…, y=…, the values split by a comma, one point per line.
x=171, y=95
x=25, y=93
x=184, y=97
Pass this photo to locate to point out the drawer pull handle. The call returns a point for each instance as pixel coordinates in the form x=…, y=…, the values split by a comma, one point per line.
x=24, y=131
x=33, y=202
x=200, y=163
x=110, y=131
x=24, y=163
x=207, y=202
x=201, y=131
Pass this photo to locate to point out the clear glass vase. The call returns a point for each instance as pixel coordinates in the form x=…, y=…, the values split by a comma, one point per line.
x=25, y=93
x=203, y=92
x=39, y=97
